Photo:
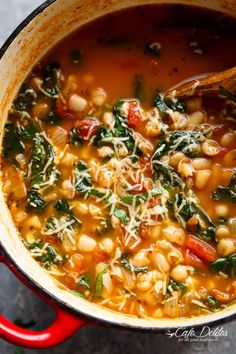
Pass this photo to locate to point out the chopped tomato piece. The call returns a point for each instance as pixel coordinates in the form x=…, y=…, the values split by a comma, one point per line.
x=146, y=165
x=194, y=261
x=62, y=111
x=87, y=127
x=201, y=249
x=134, y=117
x=100, y=256
x=222, y=297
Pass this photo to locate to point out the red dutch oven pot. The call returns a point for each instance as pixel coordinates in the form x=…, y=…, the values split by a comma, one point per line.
x=45, y=27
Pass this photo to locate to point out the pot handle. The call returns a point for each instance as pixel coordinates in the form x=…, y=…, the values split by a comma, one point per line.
x=63, y=327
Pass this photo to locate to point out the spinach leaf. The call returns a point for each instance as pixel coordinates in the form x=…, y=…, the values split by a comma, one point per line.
x=124, y=261
x=122, y=215
x=84, y=281
x=82, y=177
x=41, y=170
x=62, y=206
x=121, y=130
x=166, y=174
x=227, y=194
x=12, y=145
x=52, y=80
x=77, y=293
x=177, y=286
x=138, y=198
x=48, y=257
x=225, y=265
x=75, y=137
x=99, y=282
x=35, y=245
x=26, y=99
x=35, y=201
x=211, y=302
x=224, y=193
x=184, y=141
x=26, y=132
x=163, y=104
x=183, y=210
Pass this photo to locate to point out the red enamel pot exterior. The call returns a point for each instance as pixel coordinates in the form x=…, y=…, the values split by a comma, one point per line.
x=62, y=328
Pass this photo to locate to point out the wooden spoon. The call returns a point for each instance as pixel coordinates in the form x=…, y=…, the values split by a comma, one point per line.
x=210, y=85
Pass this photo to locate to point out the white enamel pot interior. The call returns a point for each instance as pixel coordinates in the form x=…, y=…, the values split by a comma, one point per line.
x=34, y=37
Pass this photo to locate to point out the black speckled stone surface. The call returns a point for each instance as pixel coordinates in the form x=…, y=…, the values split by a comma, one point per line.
x=18, y=302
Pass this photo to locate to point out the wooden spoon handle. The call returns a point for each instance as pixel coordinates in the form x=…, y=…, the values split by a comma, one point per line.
x=207, y=86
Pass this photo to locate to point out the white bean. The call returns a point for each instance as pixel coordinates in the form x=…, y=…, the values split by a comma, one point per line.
x=221, y=210
x=226, y=246
x=77, y=103
x=201, y=178
x=200, y=163
x=196, y=118
x=108, y=245
x=222, y=232
x=86, y=243
x=179, y=273
x=159, y=261
x=227, y=139
x=99, y=96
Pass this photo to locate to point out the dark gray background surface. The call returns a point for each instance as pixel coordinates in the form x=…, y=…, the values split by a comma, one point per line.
x=17, y=302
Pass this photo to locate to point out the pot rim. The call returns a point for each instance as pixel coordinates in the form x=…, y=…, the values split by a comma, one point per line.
x=33, y=284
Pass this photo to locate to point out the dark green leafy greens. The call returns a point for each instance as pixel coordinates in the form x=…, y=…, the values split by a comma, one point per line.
x=25, y=100
x=41, y=170
x=177, y=286
x=48, y=257
x=12, y=145
x=178, y=140
x=164, y=103
x=62, y=206
x=52, y=80
x=99, y=282
x=225, y=265
x=104, y=135
x=166, y=174
x=226, y=194
x=15, y=139
x=84, y=281
x=122, y=215
x=82, y=177
x=182, y=209
x=35, y=201
x=124, y=261
x=77, y=293
x=142, y=197
x=211, y=302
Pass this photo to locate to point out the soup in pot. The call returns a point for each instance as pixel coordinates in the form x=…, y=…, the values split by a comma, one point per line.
x=125, y=196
